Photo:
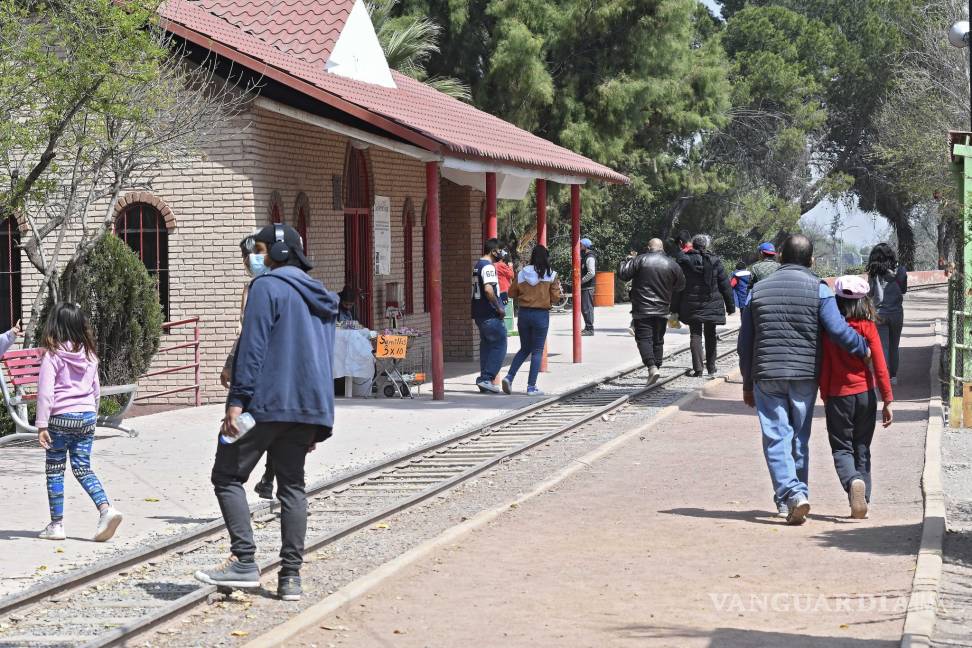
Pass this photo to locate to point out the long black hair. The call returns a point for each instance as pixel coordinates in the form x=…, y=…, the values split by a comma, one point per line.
x=857, y=309
x=881, y=260
x=540, y=260
x=67, y=326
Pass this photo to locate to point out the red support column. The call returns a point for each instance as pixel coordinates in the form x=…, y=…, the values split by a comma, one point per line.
x=433, y=266
x=492, y=229
x=542, y=212
x=576, y=261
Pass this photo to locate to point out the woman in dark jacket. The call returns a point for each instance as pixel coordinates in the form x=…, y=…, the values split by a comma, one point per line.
x=704, y=302
x=889, y=283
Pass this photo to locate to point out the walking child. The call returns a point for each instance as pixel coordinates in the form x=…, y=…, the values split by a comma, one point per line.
x=740, y=284
x=68, y=392
x=847, y=388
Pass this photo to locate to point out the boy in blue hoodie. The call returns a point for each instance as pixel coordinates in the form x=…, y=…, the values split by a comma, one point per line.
x=281, y=377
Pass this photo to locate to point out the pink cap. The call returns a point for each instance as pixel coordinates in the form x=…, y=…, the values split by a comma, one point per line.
x=851, y=287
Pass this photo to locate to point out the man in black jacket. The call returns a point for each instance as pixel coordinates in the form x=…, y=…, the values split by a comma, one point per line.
x=654, y=279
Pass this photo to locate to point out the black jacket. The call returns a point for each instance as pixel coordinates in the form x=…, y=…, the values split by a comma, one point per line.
x=707, y=295
x=654, y=278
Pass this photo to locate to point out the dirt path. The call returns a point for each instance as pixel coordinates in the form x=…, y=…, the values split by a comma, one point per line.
x=670, y=542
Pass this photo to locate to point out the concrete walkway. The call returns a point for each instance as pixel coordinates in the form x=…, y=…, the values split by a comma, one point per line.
x=670, y=541
x=161, y=479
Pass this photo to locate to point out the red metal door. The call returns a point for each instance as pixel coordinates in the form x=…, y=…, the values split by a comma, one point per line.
x=358, y=262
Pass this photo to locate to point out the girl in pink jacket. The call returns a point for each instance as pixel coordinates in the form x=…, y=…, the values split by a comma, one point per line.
x=67, y=411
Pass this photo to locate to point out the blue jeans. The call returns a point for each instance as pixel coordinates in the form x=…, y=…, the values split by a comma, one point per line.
x=71, y=434
x=492, y=347
x=785, y=410
x=532, y=324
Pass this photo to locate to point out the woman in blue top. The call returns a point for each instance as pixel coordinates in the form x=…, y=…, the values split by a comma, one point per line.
x=889, y=283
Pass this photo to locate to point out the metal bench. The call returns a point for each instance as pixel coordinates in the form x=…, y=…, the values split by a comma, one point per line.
x=19, y=373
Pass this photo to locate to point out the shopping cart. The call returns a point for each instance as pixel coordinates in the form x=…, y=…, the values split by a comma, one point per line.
x=390, y=352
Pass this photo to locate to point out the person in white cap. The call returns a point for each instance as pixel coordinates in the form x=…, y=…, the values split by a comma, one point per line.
x=847, y=387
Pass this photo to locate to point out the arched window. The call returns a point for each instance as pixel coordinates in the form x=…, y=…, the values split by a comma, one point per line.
x=301, y=217
x=143, y=228
x=10, y=278
x=358, y=247
x=408, y=225
x=276, y=208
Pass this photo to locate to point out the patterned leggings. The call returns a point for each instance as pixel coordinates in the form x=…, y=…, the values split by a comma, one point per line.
x=71, y=433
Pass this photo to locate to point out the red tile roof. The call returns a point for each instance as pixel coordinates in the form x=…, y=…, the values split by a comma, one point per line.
x=281, y=39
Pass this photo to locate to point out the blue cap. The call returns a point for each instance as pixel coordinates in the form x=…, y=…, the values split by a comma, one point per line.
x=767, y=248
x=586, y=242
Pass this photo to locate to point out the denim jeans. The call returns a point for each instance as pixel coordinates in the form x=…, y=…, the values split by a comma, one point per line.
x=785, y=410
x=532, y=324
x=492, y=347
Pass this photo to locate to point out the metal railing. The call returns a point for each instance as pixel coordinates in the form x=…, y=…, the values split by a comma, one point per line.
x=194, y=365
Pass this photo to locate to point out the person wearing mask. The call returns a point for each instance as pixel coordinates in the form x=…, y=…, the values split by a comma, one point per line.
x=282, y=378
x=889, y=283
x=704, y=302
x=536, y=288
x=780, y=345
x=489, y=312
x=766, y=265
x=588, y=273
x=654, y=278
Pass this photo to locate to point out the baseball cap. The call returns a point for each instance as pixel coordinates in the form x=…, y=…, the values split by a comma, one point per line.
x=767, y=248
x=851, y=287
x=291, y=238
x=586, y=242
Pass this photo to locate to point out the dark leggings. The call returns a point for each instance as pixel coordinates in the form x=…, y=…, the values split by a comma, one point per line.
x=890, y=332
x=698, y=330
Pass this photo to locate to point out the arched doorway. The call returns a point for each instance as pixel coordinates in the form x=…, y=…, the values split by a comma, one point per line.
x=358, y=254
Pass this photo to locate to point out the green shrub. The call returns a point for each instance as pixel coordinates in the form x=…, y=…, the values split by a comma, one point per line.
x=121, y=301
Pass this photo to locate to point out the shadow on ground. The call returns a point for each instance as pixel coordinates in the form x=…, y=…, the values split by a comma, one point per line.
x=735, y=638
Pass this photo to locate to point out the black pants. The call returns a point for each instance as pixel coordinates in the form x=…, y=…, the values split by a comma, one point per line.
x=587, y=308
x=650, y=336
x=850, y=428
x=289, y=443
x=696, y=331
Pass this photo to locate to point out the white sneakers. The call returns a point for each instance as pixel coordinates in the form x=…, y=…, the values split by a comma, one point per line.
x=858, y=499
x=53, y=531
x=107, y=524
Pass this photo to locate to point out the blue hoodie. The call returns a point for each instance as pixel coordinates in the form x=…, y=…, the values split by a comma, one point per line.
x=282, y=368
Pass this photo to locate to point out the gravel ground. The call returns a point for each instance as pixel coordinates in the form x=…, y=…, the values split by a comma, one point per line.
x=954, y=624
x=231, y=621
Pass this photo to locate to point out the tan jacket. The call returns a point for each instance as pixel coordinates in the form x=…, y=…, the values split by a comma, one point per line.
x=530, y=291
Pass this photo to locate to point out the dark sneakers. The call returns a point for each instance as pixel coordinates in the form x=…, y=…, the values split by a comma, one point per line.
x=288, y=588
x=231, y=573
x=264, y=489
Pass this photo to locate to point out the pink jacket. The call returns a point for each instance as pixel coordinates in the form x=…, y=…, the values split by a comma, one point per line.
x=68, y=383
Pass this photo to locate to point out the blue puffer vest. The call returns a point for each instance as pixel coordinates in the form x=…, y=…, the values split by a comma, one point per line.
x=784, y=308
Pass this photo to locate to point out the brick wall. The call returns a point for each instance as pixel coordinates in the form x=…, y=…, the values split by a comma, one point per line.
x=462, y=242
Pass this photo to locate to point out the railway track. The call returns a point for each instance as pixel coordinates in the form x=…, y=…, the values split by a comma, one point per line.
x=111, y=603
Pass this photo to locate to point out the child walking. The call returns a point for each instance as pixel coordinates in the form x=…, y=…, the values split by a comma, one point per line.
x=67, y=410
x=847, y=388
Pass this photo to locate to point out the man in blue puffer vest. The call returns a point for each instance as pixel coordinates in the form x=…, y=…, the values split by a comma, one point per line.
x=780, y=348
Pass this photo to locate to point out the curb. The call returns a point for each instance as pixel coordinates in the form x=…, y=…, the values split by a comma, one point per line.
x=920, y=617
x=310, y=617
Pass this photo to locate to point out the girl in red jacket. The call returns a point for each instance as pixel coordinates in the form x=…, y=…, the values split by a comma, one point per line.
x=847, y=388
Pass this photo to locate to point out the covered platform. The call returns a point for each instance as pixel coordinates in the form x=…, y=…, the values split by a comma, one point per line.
x=160, y=480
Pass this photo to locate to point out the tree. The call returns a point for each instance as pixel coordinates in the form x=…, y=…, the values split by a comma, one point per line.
x=99, y=100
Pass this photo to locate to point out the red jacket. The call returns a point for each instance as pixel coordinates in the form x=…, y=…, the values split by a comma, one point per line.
x=842, y=374
x=505, y=275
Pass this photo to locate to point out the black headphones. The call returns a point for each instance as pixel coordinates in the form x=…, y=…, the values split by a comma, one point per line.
x=279, y=251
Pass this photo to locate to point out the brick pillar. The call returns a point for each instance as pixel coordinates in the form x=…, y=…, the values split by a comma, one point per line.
x=461, y=245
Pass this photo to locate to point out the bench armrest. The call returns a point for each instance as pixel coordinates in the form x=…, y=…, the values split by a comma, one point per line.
x=115, y=390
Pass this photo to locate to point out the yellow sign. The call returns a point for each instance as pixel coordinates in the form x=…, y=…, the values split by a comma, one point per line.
x=392, y=346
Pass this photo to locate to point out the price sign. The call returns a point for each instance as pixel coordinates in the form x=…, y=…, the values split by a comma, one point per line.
x=392, y=346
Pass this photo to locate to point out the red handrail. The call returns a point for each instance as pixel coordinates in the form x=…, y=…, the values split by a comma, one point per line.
x=194, y=365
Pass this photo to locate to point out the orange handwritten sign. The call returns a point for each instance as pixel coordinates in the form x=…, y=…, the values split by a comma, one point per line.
x=392, y=346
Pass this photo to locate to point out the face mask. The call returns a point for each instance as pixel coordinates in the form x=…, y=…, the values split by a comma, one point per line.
x=257, y=267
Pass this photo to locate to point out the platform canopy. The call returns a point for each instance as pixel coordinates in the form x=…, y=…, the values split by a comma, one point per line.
x=328, y=51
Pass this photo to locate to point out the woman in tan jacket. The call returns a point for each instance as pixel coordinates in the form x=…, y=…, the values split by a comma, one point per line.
x=535, y=289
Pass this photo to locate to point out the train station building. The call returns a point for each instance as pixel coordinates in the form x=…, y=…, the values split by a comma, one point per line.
x=392, y=184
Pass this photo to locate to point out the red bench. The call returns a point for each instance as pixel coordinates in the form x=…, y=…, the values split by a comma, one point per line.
x=19, y=372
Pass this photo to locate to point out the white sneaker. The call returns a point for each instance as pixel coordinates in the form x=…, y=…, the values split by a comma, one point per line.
x=782, y=510
x=485, y=386
x=799, y=509
x=858, y=499
x=652, y=375
x=894, y=380
x=53, y=531
x=107, y=524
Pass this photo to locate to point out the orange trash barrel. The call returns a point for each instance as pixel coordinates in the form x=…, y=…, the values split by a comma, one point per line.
x=604, y=289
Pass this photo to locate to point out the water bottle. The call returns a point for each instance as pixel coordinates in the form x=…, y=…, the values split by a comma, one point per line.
x=244, y=423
